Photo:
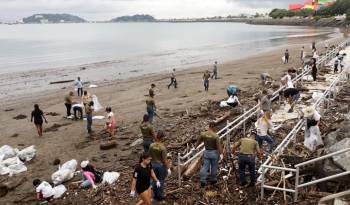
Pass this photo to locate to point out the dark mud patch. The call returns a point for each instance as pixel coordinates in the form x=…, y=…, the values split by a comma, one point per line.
x=52, y=114
x=20, y=117
x=54, y=127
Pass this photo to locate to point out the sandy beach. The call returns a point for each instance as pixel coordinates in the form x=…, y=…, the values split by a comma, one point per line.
x=126, y=97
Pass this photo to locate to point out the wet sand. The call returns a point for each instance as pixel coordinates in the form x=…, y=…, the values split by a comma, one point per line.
x=68, y=139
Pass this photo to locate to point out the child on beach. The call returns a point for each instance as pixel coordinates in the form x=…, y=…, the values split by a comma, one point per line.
x=141, y=181
x=90, y=175
x=38, y=116
x=111, y=123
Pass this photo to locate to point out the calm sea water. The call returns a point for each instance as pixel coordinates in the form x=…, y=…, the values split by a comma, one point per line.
x=148, y=47
x=32, y=56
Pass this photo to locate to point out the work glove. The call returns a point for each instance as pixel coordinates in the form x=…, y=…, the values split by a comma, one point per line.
x=132, y=194
x=158, y=184
x=169, y=172
x=221, y=157
x=94, y=186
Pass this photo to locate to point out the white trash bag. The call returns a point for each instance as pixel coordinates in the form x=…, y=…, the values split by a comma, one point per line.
x=12, y=166
x=59, y=191
x=7, y=152
x=110, y=177
x=313, y=138
x=27, y=154
x=97, y=105
x=65, y=172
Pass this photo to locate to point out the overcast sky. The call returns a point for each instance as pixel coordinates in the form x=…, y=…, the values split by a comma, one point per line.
x=11, y=10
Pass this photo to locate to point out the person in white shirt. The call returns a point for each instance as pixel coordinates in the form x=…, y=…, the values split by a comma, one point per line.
x=233, y=101
x=263, y=125
x=44, y=190
x=312, y=132
x=110, y=123
x=79, y=84
x=78, y=107
x=287, y=80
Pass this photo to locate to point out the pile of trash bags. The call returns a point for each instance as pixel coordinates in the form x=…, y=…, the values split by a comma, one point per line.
x=67, y=171
x=12, y=160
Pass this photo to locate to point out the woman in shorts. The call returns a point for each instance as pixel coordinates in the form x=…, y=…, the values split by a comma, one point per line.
x=38, y=116
x=141, y=181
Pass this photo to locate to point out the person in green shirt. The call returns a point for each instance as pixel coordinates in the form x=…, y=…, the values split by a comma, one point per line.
x=206, y=77
x=150, y=107
x=248, y=148
x=147, y=133
x=68, y=102
x=212, y=154
x=160, y=164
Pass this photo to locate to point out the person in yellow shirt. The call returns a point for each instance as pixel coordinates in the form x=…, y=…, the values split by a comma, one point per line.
x=212, y=154
x=248, y=149
x=206, y=77
x=150, y=107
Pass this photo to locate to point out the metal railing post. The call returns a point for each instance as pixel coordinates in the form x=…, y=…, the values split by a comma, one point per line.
x=244, y=124
x=179, y=168
x=228, y=141
x=262, y=183
x=296, y=185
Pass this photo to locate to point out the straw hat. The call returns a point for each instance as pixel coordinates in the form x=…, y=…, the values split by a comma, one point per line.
x=83, y=164
x=309, y=111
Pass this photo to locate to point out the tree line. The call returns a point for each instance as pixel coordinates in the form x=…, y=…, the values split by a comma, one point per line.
x=340, y=7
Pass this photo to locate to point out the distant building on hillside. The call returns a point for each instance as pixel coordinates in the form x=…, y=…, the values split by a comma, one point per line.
x=312, y=4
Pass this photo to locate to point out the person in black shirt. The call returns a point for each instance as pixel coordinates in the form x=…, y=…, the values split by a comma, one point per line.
x=141, y=181
x=38, y=116
x=314, y=69
x=292, y=95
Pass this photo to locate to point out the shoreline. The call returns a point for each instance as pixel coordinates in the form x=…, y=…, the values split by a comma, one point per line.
x=37, y=81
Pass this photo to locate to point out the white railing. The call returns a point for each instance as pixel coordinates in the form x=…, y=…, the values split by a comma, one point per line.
x=292, y=135
x=296, y=170
x=241, y=120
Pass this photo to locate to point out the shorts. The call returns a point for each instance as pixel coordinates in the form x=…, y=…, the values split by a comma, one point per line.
x=40, y=122
x=141, y=188
x=296, y=97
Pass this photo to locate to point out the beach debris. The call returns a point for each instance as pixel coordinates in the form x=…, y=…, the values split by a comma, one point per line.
x=65, y=172
x=6, y=152
x=137, y=142
x=56, y=162
x=97, y=105
x=15, y=135
x=93, y=86
x=62, y=81
x=20, y=117
x=59, y=191
x=9, y=109
x=110, y=177
x=10, y=163
x=108, y=145
x=27, y=154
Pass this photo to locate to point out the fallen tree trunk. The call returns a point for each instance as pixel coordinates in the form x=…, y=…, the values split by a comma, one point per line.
x=62, y=81
x=219, y=120
x=193, y=168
